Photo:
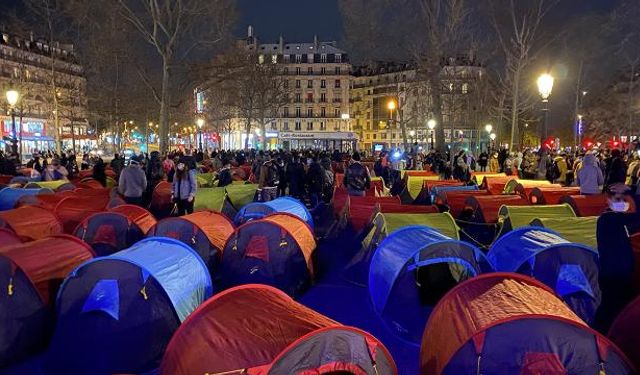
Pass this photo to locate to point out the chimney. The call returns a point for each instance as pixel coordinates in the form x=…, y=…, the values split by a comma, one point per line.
x=316, y=43
x=281, y=42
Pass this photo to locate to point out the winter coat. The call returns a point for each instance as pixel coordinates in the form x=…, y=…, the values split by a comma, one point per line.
x=132, y=182
x=185, y=188
x=590, y=177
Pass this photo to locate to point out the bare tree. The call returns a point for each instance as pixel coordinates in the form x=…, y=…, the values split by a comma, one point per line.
x=175, y=28
x=518, y=27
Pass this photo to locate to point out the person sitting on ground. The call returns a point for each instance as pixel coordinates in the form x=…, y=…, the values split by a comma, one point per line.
x=132, y=183
x=357, y=178
x=589, y=176
x=55, y=172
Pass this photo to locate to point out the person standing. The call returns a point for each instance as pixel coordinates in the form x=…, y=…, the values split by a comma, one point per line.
x=184, y=189
x=483, y=161
x=589, y=177
x=55, y=172
x=99, y=174
x=268, y=180
x=315, y=181
x=117, y=164
x=132, y=183
x=615, y=170
x=357, y=178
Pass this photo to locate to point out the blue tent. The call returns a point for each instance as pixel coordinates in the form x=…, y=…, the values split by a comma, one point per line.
x=436, y=190
x=412, y=269
x=568, y=268
x=258, y=210
x=116, y=314
x=9, y=196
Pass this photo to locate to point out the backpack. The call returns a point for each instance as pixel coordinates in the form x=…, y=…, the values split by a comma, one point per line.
x=224, y=177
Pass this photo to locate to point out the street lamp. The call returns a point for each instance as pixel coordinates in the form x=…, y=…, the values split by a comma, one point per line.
x=431, y=124
x=12, y=98
x=488, y=128
x=545, y=87
x=492, y=136
x=200, y=122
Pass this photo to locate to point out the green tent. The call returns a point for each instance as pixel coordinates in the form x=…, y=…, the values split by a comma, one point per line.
x=580, y=230
x=205, y=179
x=53, y=185
x=444, y=222
x=415, y=183
x=210, y=199
x=514, y=217
x=240, y=195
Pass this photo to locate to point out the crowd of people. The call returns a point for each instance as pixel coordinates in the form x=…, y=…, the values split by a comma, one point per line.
x=309, y=174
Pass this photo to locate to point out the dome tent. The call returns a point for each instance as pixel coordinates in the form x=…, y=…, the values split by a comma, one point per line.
x=411, y=269
x=511, y=324
x=117, y=313
x=9, y=196
x=570, y=269
x=485, y=208
x=206, y=232
x=108, y=232
x=259, y=210
x=31, y=223
x=514, y=217
x=625, y=331
x=30, y=274
x=8, y=238
x=143, y=218
x=276, y=250
x=274, y=335
x=580, y=230
x=73, y=210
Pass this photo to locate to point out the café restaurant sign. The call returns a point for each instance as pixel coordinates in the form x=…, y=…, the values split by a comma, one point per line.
x=319, y=135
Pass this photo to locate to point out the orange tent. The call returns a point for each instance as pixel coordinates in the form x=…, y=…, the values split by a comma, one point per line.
x=143, y=218
x=31, y=223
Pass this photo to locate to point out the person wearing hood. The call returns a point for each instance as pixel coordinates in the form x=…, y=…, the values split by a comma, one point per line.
x=589, y=177
x=132, y=183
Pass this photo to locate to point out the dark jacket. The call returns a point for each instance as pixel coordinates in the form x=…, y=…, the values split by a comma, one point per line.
x=357, y=178
x=315, y=178
x=615, y=172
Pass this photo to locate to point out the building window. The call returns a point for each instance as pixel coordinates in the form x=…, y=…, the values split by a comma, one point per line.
x=309, y=70
x=323, y=84
x=451, y=87
x=285, y=71
x=274, y=59
x=286, y=126
x=309, y=125
x=465, y=88
x=337, y=70
x=323, y=112
x=323, y=70
x=323, y=58
x=309, y=84
x=298, y=98
x=297, y=83
x=310, y=58
x=261, y=59
x=309, y=112
x=298, y=125
x=337, y=83
x=323, y=98
x=338, y=58
x=310, y=97
x=336, y=112
x=286, y=84
x=273, y=126
x=287, y=59
x=323, y=125
x=298, y=59
x=285, y=112
x=298, y=112
x=375, y=136
x=298, y=70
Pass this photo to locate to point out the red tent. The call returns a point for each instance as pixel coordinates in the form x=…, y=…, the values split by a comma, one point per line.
x=550, y=195
x=138, y=215
x=397, y=208
x=501, y=322
x=72, y=210
x=591, y=205
x=46, y=201
x=161, y=204
x=625, y=331
x=485, y=207
x=273, y=334
x=361, y=209
x=456, y=200
x=31, y=223
x=495, y=185
x=8, y=238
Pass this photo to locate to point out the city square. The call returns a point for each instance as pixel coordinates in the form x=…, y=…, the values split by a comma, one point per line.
x=364, y=187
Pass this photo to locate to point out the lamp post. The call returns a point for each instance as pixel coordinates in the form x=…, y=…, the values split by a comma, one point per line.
x=492, y=136
x=12, y=98
x=392, y=107
x=431, y=124
x=488, y=128
x=200, y=122
x=545, y=87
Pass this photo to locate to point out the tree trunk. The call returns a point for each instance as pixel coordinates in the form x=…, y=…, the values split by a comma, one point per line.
x=247, y=129
x=514, y=106
x=165, y=98
x=577, y=107
x=437, y=116
x=263, y=135
x=73, y=136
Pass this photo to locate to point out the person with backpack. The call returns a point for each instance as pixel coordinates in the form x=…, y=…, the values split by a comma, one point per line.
x=132, y=183
x=315, y=181
x=224, y=176
x=184, y=189
x=589, y=177
x=295, y=175
x=154, y=171
x=357, y=178
x=268, y=180
x=615, y=169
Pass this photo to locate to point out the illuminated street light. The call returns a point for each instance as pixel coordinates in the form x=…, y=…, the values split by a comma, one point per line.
x=345, y=116
x=545, y=87
x=412, y=133
x=200, y=122
x=492, y=136
x=431, y=124
x=488, y=128
x=12, y=98
x=391, y=105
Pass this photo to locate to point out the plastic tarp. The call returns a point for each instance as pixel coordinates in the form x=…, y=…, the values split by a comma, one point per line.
x=473, y=307
x=241, y=328
x=240, y=195
x=520, y=216
x=217, y=227
x=301, y=232
x=625, y=331
x=178, y=269
x=580, y=230
x=443, y=223
x=210, y=199
x=48, y=260
x=9, y=196
x=31, y=223
x=143, y=218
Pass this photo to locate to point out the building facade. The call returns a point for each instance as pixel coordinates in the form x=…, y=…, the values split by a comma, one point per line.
x=52, y=90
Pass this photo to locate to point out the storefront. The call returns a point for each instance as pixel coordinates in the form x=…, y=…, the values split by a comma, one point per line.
x=343, y=141
x=31, y=136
